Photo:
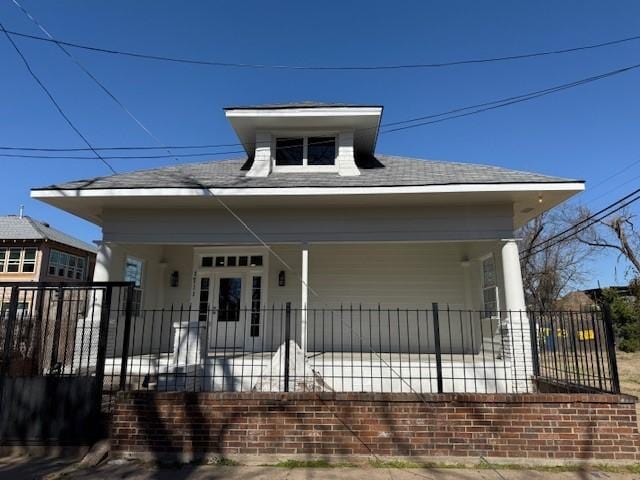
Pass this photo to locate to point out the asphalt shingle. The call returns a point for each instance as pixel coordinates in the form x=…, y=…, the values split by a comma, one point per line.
x=13, y=227
x=380, y=171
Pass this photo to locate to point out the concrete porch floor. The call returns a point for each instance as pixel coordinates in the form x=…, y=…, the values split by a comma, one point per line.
x=329, y=371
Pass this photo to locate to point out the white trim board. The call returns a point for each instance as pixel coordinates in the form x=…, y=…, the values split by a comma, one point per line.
x=292, y=191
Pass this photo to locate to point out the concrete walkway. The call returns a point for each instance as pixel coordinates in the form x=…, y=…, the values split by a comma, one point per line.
x=23, y=468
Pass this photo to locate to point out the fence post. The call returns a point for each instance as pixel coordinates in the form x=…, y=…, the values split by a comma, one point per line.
x=57, y=325
x=127, y=334
x=533, y=326
x=436, y=339
x=611, y=348
x=287, y=338
x=103, y=331
x=9, y=328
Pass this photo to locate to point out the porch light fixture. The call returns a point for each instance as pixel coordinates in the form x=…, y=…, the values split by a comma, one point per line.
x=281, y=278
x=174, y=279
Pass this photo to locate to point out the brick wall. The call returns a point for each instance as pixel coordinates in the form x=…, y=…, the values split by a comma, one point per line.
x=551, y=426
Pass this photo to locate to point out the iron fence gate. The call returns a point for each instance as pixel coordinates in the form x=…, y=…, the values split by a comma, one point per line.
x=53, y=345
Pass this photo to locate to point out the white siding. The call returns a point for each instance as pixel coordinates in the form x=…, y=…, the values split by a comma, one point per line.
x=349, y=224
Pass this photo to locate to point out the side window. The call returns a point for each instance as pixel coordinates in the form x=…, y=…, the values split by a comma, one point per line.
x=13, y=265
x=133, y=273
x=65, y=265
x=29, y=261
x=489, y=287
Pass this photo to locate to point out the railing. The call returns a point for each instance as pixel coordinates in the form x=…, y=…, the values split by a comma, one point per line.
x=359, y=349
x=93, y=331
x=575, y=350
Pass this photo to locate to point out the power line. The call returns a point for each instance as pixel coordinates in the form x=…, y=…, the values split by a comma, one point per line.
x=165, y=58
x=53, y=100
x=90, y=75
x=410, y=123
x=120, y=157
x=619, y=172
x=590, y=220
x=513, y=100
x=608, y=207
x=148, y=132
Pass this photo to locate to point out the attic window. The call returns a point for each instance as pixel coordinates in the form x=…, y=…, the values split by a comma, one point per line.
x=305, y=151
x=289, y=151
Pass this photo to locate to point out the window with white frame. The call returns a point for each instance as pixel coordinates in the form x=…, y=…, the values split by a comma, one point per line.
x=18, y=260
x=66, y=265
x=305, y=151
x=133, y=273
x=489, y=287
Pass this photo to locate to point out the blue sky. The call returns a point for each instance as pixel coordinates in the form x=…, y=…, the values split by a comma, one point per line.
x=587, y=133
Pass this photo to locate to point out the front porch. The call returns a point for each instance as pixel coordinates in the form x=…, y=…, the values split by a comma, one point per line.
x=379, y=317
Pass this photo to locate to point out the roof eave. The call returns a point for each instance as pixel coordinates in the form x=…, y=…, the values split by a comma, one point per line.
x=560, y=185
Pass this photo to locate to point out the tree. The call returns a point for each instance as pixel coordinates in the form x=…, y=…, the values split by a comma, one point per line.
x=625, y=315
x=615, y=233
x=550, y=269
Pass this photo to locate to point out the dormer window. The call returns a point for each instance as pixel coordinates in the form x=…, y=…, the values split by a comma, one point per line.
x=305, y=137
x=305, y=151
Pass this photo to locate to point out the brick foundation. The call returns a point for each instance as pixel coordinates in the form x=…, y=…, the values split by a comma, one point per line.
x=548, y=426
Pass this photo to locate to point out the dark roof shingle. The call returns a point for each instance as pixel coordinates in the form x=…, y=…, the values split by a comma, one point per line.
x=13, y=227
x=382, y=171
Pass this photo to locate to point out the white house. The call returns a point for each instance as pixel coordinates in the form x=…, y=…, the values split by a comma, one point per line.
x=360, y=245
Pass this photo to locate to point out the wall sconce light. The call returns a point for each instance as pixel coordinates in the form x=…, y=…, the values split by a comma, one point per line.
x=174, y=280
x=281, y=278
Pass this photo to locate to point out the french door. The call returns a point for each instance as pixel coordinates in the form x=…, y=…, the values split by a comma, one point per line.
x=225, y=303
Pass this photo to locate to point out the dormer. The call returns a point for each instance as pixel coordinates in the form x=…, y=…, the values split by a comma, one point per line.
x=306, y=138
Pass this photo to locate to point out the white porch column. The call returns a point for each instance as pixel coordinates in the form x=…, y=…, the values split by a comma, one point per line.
x=103, y=257
x=304, y=300
x=517, y=341
x=88, y=328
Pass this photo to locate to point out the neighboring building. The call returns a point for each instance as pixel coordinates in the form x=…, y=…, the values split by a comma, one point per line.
x=33, y=251
x=577, y=301
x=344, y=227
x=590, y=299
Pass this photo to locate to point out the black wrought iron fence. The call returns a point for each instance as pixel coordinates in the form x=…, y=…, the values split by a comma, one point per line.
x=575, y=350
x=52, y=353
x=362, y=350
x=92, y=333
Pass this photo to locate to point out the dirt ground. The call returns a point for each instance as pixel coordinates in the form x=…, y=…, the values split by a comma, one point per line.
x=629, y=372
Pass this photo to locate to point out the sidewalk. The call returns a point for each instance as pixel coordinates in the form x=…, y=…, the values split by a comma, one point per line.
x=20, y=469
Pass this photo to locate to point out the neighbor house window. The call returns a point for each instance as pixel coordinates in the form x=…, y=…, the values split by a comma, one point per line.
x=13, y=262
x=66, y=265
x=18, y=260
x=489, y=287
x=29, y=260
x=22, y=310
x=303, y=151
x=133, y=273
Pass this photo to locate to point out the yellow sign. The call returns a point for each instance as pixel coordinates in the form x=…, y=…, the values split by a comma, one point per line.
x=586, y=335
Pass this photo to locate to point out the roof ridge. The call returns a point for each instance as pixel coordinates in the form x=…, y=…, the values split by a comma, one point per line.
x=34, y=224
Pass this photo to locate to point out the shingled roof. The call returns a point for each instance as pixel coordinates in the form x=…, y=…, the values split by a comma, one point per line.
x=13, y=227
x=382, y=171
